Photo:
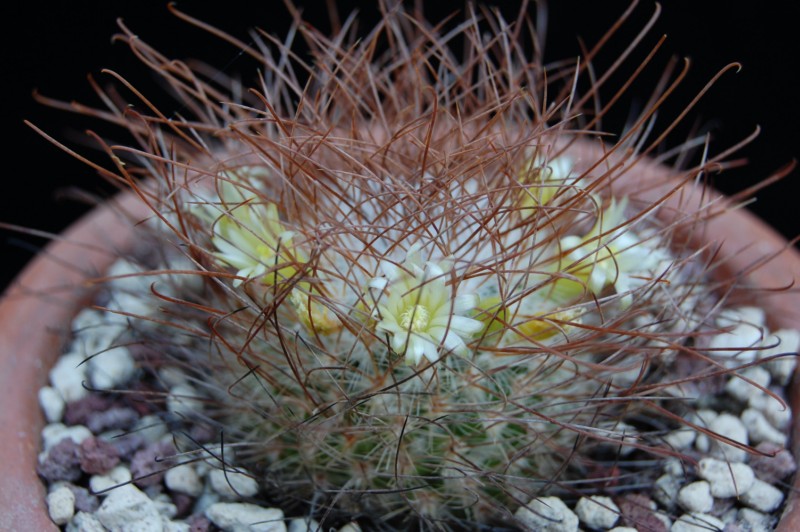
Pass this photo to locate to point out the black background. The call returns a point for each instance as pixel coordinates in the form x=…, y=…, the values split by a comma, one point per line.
x=53, y=48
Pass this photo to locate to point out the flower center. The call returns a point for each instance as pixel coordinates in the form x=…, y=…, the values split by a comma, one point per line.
x=265, y=254
x=415, y=318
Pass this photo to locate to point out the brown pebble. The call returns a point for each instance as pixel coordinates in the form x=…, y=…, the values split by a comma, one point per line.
x=773, y=468
x=637, y=512
x=84, y=501
x=78, y=412
x=98, y=456
x=151, y=357
x=183, y=503
x=140, y=398
x=62, y=462
x=149, y=464
x=203, y=433
x=114, y=418
x=127, y=444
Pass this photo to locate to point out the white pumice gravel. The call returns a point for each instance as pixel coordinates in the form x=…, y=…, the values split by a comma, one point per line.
x=230, y=484
x=184, y=399
x=172, y=377
x=755, y=521
x=745, y=328
x=732, y=428
x=68, y=375
x=547, y=514
x=702, y=418
x=152, y=428
x=628, y=441
x=111, y=368
x=304, y=525
x=85, y=522
x=749, y=316
x=665, y=520
x=696, y=497
x=122, y=305
x=184, y=479
x=674, y=467
x=783, y=341
x=726, y=479
x=245, y=517
x=126, y=277
x=666, y=489
x=126, y=506
x=206, y=499
x=680, y=439
x=213, y=456
x=742, y=386
x=597, y=512
x=176, y=526
x=777, y=412
x=116, y=477
x=61, y=505
x=55, y=432
x=52, y=404
x=702, y=444
x=164, y=505
x=95, y=330
x=763, y=497
x=697, y=523
x=760, y=429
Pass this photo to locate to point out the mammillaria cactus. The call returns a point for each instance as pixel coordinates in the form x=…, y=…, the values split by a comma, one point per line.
x=428, y=292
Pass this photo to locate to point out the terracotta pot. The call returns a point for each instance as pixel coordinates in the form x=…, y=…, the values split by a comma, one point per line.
x=36, y=310
x=35, y=313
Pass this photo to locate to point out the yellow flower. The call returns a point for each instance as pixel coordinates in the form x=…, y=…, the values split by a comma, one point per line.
x=250, y=238
x=611, y=254
x=419, y=312
x=314, y=314
x=544, y=179
x=525, y=323
x=246, y=231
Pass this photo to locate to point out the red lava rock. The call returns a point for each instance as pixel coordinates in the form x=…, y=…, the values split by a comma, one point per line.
x=62, y=462
x=140, y=398
x=84, y=501
x=127, y=444
x=637, y=512
x=149, y=464
x=118, y=417
x=183, y=503
x=686, y=365
x=202, y=433
x=772, y=469
x=147, y=354
x=97, y=456
x=78, y=412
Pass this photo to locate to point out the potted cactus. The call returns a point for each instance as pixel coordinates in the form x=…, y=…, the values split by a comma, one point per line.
x=401, y=288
